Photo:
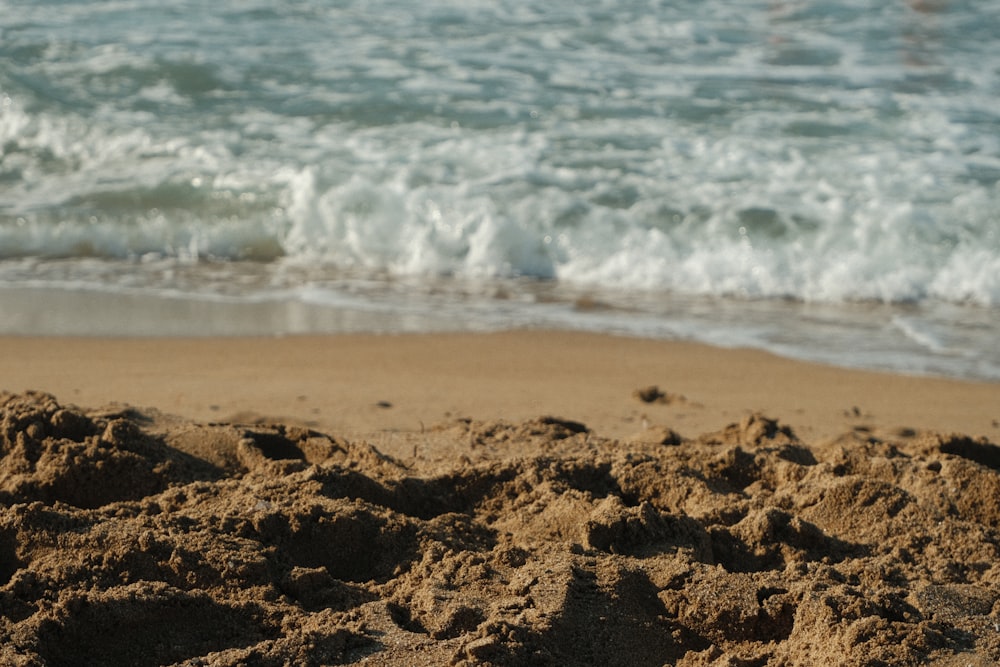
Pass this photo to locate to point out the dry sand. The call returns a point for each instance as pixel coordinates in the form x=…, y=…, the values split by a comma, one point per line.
x=524, y=498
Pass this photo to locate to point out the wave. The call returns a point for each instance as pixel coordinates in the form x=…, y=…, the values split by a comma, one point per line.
x=600, y=234
x=777, y=154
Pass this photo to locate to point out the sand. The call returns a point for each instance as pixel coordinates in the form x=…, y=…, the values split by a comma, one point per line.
x=526, y=498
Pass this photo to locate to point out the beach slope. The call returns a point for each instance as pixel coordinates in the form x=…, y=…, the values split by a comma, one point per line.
x=508, y=499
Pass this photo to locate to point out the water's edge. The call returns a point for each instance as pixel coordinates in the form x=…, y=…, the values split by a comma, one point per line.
x=916, y=340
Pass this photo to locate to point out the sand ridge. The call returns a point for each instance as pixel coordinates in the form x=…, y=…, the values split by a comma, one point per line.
x=130, y=537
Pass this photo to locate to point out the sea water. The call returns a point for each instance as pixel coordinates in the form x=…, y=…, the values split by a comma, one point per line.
x=816, y=178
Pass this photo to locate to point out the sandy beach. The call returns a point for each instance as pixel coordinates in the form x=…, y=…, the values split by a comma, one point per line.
x=337, y=383
x=509, y=498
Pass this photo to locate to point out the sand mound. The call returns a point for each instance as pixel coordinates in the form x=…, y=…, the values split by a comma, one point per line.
x=129, y=538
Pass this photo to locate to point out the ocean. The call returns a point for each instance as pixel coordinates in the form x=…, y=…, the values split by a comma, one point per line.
x=814, y=178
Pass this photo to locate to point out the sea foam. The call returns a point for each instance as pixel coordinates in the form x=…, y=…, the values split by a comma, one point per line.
x=823, y=154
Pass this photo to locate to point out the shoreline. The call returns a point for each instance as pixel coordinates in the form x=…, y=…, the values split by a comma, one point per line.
x=934, y=340
x=359, y=385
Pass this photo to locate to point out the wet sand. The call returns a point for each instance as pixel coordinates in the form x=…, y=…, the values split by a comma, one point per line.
x=337, y=383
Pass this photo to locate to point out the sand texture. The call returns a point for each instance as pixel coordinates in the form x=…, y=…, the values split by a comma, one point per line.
x=130, y=537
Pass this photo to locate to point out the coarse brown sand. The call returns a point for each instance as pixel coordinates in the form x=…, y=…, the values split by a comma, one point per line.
x=505, y=499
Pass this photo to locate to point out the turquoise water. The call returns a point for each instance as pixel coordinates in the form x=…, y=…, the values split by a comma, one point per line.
x=814, y=178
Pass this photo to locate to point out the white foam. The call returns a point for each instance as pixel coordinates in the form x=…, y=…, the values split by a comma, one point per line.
x=922, y=336
x=702, y=150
